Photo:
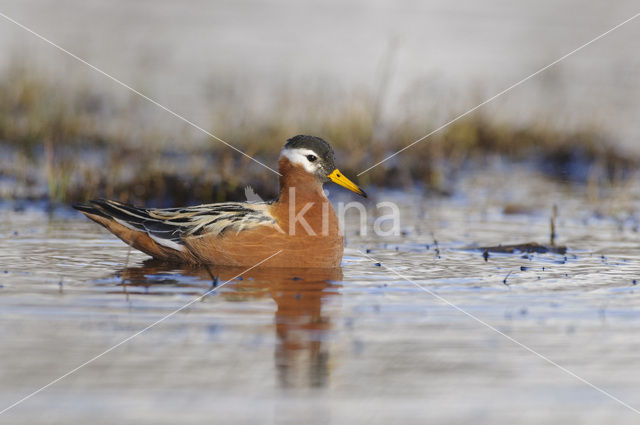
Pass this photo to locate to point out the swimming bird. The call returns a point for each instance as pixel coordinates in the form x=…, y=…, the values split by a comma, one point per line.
x=301, y=225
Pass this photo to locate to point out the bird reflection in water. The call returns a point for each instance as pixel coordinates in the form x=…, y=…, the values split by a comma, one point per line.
x=302, y=322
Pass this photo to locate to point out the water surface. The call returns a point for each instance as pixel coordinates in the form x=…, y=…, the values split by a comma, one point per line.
x=357, y=345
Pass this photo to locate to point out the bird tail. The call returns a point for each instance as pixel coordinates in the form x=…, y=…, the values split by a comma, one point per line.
x=136, y=227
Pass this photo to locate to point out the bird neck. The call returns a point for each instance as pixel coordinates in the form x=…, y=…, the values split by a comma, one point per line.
x=302, y=208
x=296, y=182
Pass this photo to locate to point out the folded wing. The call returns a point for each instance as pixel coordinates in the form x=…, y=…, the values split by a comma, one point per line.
x=171, y=226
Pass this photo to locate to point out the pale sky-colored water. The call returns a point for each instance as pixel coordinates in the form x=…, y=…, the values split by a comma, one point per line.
x=367, y=347
x=447, y=56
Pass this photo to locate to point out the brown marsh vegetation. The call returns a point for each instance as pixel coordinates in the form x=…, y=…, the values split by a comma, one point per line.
x=66, y=143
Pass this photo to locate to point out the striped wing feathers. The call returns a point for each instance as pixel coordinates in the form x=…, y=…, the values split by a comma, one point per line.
x=170, y=226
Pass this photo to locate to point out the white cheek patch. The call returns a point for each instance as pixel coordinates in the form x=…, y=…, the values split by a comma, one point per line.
x=299, y=156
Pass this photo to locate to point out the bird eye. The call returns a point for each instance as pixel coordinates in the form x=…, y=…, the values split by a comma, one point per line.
x=312, y=158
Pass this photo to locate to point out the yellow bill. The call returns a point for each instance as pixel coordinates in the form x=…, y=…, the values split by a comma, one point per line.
x=337, y=177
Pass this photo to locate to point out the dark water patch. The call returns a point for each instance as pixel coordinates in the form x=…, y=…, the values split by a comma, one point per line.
x=529, y=248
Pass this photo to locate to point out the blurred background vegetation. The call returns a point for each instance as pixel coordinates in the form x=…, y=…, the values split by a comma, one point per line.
x=369, y=78
x=66, y=143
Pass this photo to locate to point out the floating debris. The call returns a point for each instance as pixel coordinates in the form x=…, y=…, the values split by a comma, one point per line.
x=531, y=247
x=514, y=209
x=435, y=245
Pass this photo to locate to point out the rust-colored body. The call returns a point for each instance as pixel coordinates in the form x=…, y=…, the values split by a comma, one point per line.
x=306, y=234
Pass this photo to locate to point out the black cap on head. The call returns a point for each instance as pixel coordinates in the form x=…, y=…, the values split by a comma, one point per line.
x=316, y=144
